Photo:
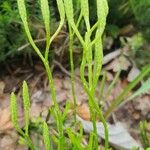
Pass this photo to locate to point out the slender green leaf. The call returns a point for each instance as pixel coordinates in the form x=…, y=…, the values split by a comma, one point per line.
x=120, y=98
x=144, y=88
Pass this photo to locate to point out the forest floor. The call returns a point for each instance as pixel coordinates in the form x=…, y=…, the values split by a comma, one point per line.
x=12, y=75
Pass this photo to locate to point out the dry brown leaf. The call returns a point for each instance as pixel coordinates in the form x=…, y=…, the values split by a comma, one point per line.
x=118, y=63
x=133, y=74
x=7, y=143
x=109, y=57
x=83, y=111
x=142, y=104
x=5, y=120
x=35, y=110
x=2, y=86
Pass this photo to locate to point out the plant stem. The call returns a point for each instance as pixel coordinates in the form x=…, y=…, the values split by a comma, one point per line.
x=102, y=86
x=72, y=69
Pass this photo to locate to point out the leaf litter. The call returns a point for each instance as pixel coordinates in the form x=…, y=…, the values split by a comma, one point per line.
x=41, y=100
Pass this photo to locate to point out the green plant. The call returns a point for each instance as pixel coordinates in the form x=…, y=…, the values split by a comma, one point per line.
x=144, y=134
x=90, y=87
x=44, y=59
x=87, y=44
x=14, y=115
x=120, y=99
x=46, y=136
x=91, y=43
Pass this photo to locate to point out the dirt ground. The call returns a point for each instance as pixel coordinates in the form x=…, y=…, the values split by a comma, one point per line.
x=12, y=75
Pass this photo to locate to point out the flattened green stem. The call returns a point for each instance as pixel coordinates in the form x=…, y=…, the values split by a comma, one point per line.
x=61, y=10
x=69, y=13
x=88, y=52
x=26, y=105
x=85, y=13
x=121, y=97
x=46, y=19
x=94, y=104
x=72, y=69
x=98, y=57
x=102, y=86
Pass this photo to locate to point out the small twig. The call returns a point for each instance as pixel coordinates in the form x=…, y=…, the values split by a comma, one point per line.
x=63, y=69
x=28, y=44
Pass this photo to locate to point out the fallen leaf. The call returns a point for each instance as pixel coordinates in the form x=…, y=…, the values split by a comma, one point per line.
x=111, y=56
x=119, y=137
x=118, y=63
x=7, y=143
x=134, y=72
x=83, y=111
x=35, y=110
x=5, y=120
x=142, y=104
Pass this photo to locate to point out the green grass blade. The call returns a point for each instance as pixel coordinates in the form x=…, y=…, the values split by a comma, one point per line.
x=26, y=104
x=46, y=137
x=144, y=88
x=120, y=98
x=113, y=83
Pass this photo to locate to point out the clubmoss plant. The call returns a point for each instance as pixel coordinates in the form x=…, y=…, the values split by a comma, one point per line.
x=44, y=59
x=46, y=137
x=88, y=47
x=88, y=44
x=26, y=103
x=144, y=134
x=14, y=115
x=91, y=42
